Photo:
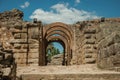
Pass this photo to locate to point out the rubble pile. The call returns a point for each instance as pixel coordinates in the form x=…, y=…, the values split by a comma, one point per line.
x=7, y=64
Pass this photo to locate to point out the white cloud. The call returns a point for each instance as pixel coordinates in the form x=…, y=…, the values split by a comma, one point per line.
x=77, y=1
x=25, y=5
x=61, y=13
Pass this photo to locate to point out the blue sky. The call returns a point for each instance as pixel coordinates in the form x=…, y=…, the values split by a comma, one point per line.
x=67, y=11
x=59, y=46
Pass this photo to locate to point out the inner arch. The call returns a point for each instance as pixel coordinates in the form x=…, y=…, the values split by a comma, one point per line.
x=61, y=33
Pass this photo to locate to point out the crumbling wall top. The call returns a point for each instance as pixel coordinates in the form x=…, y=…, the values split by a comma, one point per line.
x=14, y=14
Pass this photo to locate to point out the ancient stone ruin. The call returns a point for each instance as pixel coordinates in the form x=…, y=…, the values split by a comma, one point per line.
x=7, y=64
x=86, y=42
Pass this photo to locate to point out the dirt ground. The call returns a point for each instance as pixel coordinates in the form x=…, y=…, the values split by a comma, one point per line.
x=75, y=69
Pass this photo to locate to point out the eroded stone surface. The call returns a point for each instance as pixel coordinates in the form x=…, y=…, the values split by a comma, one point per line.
x=109, y=51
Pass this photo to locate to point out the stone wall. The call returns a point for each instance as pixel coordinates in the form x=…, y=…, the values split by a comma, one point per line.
x=17, y=34
x=85, y=40
x=108, y=39
x=7, y=64
x=98, y=41
x=26, y=44
x=33, y=54
x=86, y=76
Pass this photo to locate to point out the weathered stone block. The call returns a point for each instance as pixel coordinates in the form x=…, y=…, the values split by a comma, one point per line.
x=89, y=50
x=20, y=55
x=88, y=55
x=20, y=41
x=109, y=48
x=87, y=36
x=103, y=53
x=24, y=46
x=33, y=61
x=33, y=50
x=20, y=50
x=20, y=61
x=116, y=60
x=17, y=46
x=117, y=37
x=17, y=36
x=33, y=41
x=89, y=41
x=90, y=31
x=23, y=36
x=18, y=26
x=33, y=55
x=90, y=60
x=34, y=46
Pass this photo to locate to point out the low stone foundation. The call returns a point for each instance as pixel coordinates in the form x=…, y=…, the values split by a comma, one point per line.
x=99, y=76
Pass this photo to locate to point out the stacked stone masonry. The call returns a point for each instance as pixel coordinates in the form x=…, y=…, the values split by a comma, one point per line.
x=86, y=36
x=71, y=77
x=7, y=64
x=109, y=45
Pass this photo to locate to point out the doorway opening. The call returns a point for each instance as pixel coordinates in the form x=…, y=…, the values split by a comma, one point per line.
x=55, y=53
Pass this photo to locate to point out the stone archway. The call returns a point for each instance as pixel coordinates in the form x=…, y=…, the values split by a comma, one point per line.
x=61, y=33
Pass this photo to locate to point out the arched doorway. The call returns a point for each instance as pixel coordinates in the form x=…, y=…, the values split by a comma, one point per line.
x=58, y=32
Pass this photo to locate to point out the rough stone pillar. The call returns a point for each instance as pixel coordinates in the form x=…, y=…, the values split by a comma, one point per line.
x=27, y=45
x=40, y=38
x=68, y=54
